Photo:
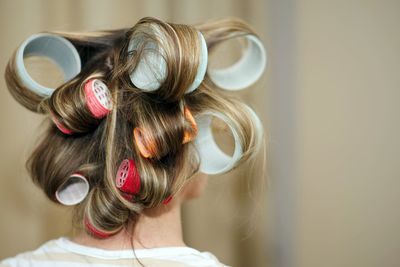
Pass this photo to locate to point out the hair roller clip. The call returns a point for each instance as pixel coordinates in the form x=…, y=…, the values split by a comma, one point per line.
x=73, y=190
x=151, y=70
x=58, y=49
x=147, y=147
x=94, y=231
x=246, y=71
x=128, y=178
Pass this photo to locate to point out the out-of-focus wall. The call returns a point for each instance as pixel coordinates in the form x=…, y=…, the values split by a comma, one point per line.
x=349, y=128
x=335, y=87
x=28, y=219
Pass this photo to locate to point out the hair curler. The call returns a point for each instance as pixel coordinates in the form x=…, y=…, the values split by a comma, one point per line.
x=147, y=147
x=151, y=70
x=212, y=159
x=167, y=200
x=202, y=68
x=128, y=178
x=57, y=49
x=59, y=125
x=73, y=190
x=98, y=98
x=94, y=231
x=98, y=101
x=189, y=136
x=246, y=71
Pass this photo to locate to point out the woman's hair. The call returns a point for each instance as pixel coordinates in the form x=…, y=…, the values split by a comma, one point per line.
x=97, y=146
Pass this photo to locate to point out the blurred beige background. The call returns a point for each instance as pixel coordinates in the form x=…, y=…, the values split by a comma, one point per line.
x=329, y=101
x=335, y=127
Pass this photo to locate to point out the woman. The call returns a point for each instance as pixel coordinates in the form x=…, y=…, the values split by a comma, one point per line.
x=130, y=136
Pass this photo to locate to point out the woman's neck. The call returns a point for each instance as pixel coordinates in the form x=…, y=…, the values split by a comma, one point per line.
x=157, y=227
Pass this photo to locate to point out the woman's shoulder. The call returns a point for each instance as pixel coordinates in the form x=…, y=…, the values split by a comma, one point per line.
x=63, y=252
x=33, y=258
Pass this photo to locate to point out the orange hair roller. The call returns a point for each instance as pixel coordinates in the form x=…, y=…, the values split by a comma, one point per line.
x=188, y=136
x=147, y=148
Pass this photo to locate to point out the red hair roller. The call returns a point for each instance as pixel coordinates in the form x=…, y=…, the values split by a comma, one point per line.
x=167, y=200
x=128, y=179
x=94, y=231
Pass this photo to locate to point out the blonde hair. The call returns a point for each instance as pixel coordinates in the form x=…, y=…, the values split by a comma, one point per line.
x=98, y=145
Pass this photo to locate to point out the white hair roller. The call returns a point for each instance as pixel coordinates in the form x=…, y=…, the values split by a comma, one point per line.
x=57, y=49
x=246, y=71
x=73, y=190
x=151, y=70
x=212, y=159
x=202, y=68
x=256, y=120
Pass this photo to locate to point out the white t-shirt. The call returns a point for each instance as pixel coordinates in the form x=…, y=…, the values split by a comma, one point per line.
x=62, y=252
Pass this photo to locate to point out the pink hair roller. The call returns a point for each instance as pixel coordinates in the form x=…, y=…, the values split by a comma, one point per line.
x=98, y=98
x=60, y=126
x=128, y=179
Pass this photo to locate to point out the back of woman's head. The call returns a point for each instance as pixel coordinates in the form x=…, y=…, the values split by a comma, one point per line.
x=154, y=110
